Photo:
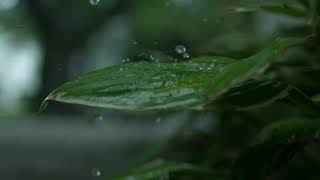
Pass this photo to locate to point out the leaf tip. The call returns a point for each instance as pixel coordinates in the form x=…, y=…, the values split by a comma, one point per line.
x=44, y=104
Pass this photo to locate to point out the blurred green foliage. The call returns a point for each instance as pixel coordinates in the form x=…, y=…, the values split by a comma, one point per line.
x=235, y=148
x=274, y=69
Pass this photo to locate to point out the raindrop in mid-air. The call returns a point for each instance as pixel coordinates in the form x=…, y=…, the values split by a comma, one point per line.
x=158, y=120
x=94, y=2
x=99, y=118
x=96, y=172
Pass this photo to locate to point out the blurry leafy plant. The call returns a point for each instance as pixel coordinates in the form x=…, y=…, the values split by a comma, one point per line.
x=216, y=83
x=161, y=169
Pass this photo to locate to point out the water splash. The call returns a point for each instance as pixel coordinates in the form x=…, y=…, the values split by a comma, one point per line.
x=185, y=55
x=182, y=50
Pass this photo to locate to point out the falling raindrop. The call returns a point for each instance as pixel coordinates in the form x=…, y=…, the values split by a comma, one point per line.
x=94, y=2
x=125, y=60
x=122, y=59
x=59, y=67
x=130, y=178
x=205, y=20
x=121, y=69
x=99, y=118
x=158, y=120
x=168, y=3
x=180, y=49
x=96, y=172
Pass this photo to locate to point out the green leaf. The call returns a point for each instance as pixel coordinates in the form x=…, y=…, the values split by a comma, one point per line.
x=316, y=98
x=301, y=100
x=248, y=68
x=164, y=170
x=252, y=94
x=275, y=146
x=281, y=132
x=280, y=7
x=143, y=85
x=149, y=86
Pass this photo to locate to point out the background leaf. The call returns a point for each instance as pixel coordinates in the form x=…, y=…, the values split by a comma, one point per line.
x=252, y=94
x=301, y=100
x=248, y=68
x=165, y=170
x=294, y=8
x=275, y=145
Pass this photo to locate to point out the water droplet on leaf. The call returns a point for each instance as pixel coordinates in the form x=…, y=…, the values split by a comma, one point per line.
x=210, y=67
